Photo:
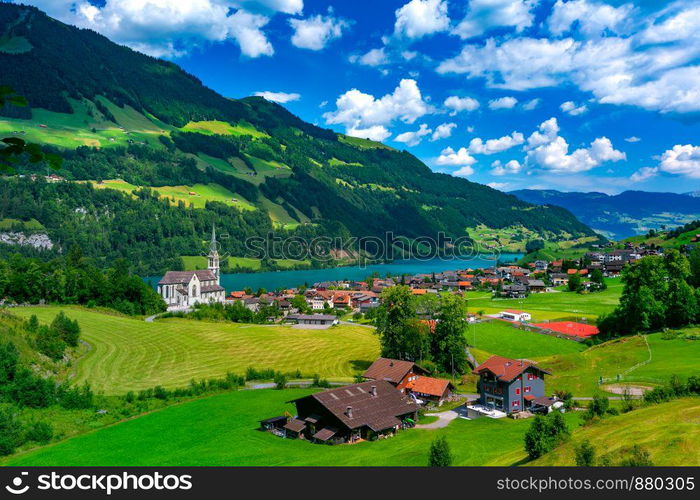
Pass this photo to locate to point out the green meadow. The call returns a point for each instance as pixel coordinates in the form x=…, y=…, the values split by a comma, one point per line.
x=129, y=354
x=223, y=430
x=193, y=262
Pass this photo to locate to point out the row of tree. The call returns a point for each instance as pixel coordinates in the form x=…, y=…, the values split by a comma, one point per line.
x=73, y=279
x=657, y=294
x=427, y=329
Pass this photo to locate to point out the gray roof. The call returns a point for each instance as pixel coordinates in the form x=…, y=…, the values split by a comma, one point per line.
x=184, y=277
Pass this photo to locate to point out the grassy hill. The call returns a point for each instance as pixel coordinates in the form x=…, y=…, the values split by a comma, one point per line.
x=130, y=354
x=155, y=125
x=669, y=431
x=222, y=430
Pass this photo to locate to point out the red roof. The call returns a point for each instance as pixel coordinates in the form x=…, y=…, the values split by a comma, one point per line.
x=570, y=328
x=429, y=385
x=505, y=369
x=571, y=271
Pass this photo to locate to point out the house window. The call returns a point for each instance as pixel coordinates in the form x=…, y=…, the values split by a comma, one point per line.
x=517, y=391
x=516, y=403
x=528, y=389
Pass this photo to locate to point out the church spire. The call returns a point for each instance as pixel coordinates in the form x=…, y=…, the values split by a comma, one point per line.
x=214, y=255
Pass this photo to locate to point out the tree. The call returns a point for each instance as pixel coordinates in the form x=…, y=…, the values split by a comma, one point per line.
x=10, y=430
x=9, y=360
x=280, y=380
x=50, y=343
x=440, y=455
x=68, y=329
x=536, y=438
x=598, y=279
x=584, y=454
x=534, y=245
x=598, y=406
x=575, y=282
x=449, y=343
x=393, y=320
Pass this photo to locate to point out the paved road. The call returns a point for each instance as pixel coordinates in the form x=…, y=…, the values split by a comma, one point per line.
x=444, y=419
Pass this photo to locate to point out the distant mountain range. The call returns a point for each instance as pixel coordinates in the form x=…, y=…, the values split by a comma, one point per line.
x=622, y=215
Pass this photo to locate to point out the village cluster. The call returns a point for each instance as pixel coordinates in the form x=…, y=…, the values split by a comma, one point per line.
x=395, y=391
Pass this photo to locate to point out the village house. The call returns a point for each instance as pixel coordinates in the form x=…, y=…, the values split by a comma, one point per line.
x=184, y=289
x=395, y=371
x=316, y=320
x=517, y=316
x=430, y=389
x=559, y=279
x=515, y=291
x=536, y=286
x=510, y=385
x=364, y=411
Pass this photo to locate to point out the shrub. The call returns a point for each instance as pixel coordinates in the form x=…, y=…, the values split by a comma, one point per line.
x=440, y=455
x=584, y=454
x=280, y=380
x=544, y=434
x=39, y=432
x=637, y=457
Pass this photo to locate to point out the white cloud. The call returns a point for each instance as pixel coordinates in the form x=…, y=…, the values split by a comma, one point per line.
x=571, y=108
x=590, y=18
x=477, y=146
x=643, y=174
x=486, y=14
x=363, y=114
x=503, y=103
x=419, y=18
x=655, y=69
x=461, y=158
x=532, y=104
x=373, y=133
x=315, y=32
x=633, y=138
x=510, y=168
x=443, y=131
x=280, y=97
x=498, y=185
x=171, y=27
x=681, y=160
x=464, y=172
x=457, y=104
x=548, y=150
x=414, y=138
x=374, y=57
x=682, y=25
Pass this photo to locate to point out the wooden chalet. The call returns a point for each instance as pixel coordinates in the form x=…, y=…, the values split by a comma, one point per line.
x=364, y=411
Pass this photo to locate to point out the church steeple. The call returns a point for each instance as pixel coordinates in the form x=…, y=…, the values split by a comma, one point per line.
x=214, y=255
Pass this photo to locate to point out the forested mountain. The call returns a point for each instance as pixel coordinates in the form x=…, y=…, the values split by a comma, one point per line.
x=114, y=113
x=623, y=215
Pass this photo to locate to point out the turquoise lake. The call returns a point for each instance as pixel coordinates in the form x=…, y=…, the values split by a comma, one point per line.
x=288, y=279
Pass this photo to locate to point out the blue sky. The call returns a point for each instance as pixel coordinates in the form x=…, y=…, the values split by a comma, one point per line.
x=575, y=95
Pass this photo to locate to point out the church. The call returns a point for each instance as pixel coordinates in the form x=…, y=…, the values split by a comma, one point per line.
x=184, y=289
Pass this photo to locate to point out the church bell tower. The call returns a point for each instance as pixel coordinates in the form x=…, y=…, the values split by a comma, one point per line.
x=214, y=255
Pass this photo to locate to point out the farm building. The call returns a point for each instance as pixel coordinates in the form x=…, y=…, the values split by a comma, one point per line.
x=395, y=371
x=512, y=315
x=364, y=411
x=509, y=385
x=313, y=319
x=430, y=389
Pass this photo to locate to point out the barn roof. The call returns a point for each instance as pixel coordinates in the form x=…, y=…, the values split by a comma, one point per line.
x=392, y=370
x=356, y=406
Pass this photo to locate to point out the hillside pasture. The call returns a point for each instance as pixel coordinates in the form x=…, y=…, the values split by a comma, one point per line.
x=130, y=354
x=223, y=430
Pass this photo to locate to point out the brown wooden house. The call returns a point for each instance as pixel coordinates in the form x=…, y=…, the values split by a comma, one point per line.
x=368, y=410
x=395, y=371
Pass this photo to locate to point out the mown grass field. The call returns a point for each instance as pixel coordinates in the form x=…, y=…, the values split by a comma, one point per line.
x=579, y=372
x=130, y=354
x=669, y=431
x=212, y=127
x=547, y=306
x=222, y=430
x=505, y=340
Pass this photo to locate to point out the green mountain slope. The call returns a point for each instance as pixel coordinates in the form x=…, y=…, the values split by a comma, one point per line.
x=117, y=114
